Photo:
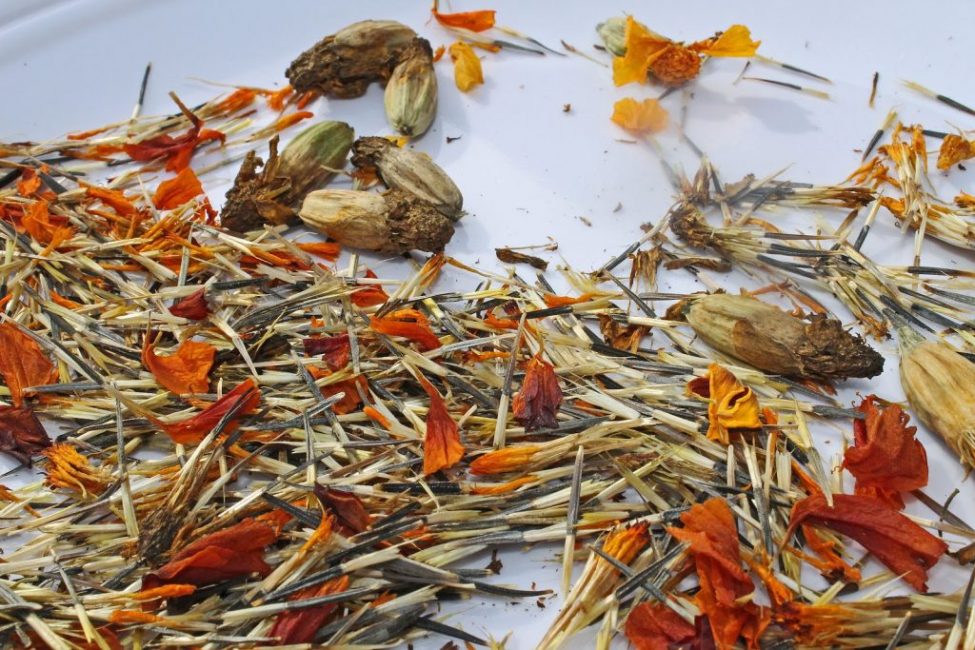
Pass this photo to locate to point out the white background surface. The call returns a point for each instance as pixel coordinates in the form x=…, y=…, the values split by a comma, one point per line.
x=528, y=170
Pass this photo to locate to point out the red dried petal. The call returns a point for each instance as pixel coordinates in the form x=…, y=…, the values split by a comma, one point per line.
x=886, y=459
x=192, y=307
x=223, y=555
x=193, y=429
x=335, y=350
x=22, y=362
x=347, y=507
x=903, y=546
x=537, y=403
x=656, y=627
x=21, y=433
x=441, y=445
x=370, y=295
x=175, y=150
x=301, y=625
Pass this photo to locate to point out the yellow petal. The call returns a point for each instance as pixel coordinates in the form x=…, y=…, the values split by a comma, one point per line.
x=642, y=47
x=733, y=405
x=735, y=41
x=467, y=67
x=647, y=116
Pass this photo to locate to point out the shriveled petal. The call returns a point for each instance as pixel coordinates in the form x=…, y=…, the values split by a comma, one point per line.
x=639, y=117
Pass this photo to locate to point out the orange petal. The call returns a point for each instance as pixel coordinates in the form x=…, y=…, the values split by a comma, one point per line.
x=441, y=445
x=22, y=363
x=467, y=66
x=642, y=47
x=636, y=117
x=184, y=371
x=734, y=41
x=475, y=21
x=408, y=323
x=174, y=192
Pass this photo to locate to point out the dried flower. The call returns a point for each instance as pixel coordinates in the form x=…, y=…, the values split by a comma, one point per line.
x=22, y=362
x=774, y=341
x=185, y=371
x=636, y=117
x=467, y=66
x=392, y=222
x=412, y=171
x=732, y=405
x=885, y=457
x=641, y=47
x=954, y=149
x=903, y=546
x=441, y=444
x=345, y=63
x=411, y=94
x=68, y=469
x=21, y=433
x=940, y=384
x=192, y=307
x=223, y=555
x=537, y=402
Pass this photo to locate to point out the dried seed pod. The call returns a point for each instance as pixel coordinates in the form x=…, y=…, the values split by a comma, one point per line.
x=392, y=222
x=310, y=158
x=411, y=93
x=613, y=33
x=940, y=384
x=273, y=194
x=345, y=63
x=410, y=171
x=777, y=342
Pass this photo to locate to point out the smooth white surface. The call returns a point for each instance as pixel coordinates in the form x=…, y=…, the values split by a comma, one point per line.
x=528, y=170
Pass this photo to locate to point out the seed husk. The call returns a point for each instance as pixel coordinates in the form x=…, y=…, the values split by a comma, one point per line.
x=311, y=158
x=392, y=222
x=411, y=93
x=940, y=384
x=346, y=62
x=410, y=171
x=775, y=341
x=613, y=34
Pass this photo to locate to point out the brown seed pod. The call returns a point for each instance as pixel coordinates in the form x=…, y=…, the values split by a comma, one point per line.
x=345, y=63
x=774, y=341
x=392, y=222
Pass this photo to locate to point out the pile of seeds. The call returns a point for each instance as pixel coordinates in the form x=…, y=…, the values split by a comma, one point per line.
x=259, y=448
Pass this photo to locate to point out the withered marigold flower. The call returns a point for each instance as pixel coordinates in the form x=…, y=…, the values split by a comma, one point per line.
x=68, y=469
x=675, y=65
x=774, y=341
x=346, y=62
x=507, y=459
x=940, y=384
x=954, y=149
x=732, y=404
x=537, y=402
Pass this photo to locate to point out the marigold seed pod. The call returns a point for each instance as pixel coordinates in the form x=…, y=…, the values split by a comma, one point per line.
x=392, y=222
x=774, y=341
x=410, y=171
x=310, y=158
x=411, y=93
x=613, y=33
x=345, y=63
x=940, y=384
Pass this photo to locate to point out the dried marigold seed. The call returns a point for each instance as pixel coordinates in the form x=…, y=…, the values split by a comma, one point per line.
x=411, y=94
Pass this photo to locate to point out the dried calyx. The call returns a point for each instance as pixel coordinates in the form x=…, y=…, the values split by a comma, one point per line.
x=411, y=93
x=345, y=63
x=774, y=341
x=271, y=192
x=392, y=222
x=410, y=171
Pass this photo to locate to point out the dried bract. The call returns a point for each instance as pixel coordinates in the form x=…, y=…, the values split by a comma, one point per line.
x=411, y=94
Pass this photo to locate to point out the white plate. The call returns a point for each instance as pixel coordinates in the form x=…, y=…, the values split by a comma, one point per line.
x=528, y=170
